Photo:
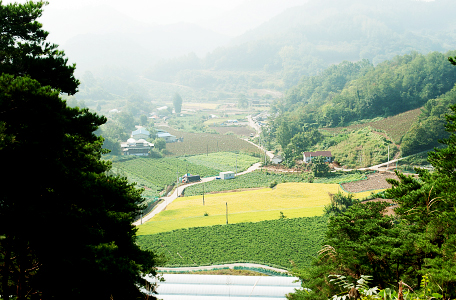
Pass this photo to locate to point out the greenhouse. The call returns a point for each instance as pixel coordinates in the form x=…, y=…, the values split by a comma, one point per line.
x=221, y=287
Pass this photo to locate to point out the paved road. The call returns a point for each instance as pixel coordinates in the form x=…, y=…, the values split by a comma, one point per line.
x=231, y=266
x=168, y=200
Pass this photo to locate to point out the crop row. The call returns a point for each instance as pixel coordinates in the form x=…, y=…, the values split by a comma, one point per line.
x=223, y=161
x=157, y=173
x=203, y=143
x=276, y=242
x=263, y=179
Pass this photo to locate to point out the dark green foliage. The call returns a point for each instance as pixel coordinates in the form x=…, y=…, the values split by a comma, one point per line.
x=25, y=51
x=112, y=145
x=427, y=205
x=68, y=188
x=358, y=242
x=281, y=242
x=177, y=102
x=65, y=226
x=319, y=166
x=159, y=144
x=429, y=129
x=339, y=203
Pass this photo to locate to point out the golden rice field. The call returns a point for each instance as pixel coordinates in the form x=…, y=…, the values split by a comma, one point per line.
x=293, y=199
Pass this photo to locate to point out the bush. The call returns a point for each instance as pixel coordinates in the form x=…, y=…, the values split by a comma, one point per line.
x=272, y=184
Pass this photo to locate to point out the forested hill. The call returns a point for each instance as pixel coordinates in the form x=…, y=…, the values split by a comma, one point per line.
x=306, y=39
x=354, y=91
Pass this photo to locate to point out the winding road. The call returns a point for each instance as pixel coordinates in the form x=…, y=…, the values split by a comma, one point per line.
x=178, y=191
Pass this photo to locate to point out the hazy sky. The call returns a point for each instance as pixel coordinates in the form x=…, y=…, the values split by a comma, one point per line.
x=157, y=11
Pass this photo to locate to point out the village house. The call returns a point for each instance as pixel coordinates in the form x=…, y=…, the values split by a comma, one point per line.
x=169, y=138
x=140, y=133
x=307, y=156
x=139, y=147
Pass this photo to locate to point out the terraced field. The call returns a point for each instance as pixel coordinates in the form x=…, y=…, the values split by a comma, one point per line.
x=292, y=199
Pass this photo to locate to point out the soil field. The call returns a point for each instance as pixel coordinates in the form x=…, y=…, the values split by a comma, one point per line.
x=374, y=181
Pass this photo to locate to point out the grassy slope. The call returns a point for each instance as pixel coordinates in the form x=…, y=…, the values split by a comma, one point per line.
x=395, y=127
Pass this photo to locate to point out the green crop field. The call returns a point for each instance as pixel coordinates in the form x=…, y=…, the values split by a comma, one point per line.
x=203, y=143
x=223, y=161
x=292, y=199
x=263, y=179
x=156, y=173
x=274, y=243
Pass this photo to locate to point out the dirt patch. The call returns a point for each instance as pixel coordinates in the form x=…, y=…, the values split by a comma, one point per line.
x=374, y=181
x=280, y=168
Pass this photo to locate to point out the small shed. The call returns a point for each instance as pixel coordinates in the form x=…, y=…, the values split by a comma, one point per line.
x=227, y=175
x=190, y=178
x=277, y=159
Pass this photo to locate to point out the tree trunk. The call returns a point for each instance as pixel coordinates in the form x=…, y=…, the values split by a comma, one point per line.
x=6, y=268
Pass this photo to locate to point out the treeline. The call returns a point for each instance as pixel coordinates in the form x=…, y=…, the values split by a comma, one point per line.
x=350, y=92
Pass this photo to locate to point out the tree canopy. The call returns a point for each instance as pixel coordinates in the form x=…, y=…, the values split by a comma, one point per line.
x=65, y=225
x=177, y=102
x=25, y=51
x=419, y=241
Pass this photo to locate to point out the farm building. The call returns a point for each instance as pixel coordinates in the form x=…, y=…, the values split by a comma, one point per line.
x=307, y=156
x=140, y=133
x=169, y=138
x=190, y=178
x=227, y=175
x=187, y=286
x=139, y=147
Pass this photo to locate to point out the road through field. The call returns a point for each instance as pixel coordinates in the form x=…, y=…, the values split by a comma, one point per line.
x=168, y=200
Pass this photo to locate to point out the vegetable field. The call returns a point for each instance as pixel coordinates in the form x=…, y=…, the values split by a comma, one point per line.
x=274, y=243
x=157, y=173
x=202, y=143
x=223, y=161
x=294, y=200
x=263, y=179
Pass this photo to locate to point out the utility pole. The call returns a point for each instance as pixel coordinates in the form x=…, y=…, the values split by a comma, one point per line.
x=388, y=164
x=177, y=181
x=203, y=193
x=226, y=213
x=236, y=166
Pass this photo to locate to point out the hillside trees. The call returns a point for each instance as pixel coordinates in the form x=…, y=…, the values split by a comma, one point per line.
x=427, y=206
x=419, y=241
x=359, y=241
x=177, y=103
x=65, y=226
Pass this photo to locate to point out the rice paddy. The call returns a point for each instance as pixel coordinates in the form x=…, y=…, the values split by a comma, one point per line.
x=292, y=199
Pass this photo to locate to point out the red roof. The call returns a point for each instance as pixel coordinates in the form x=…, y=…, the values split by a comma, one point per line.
x=318, y=153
